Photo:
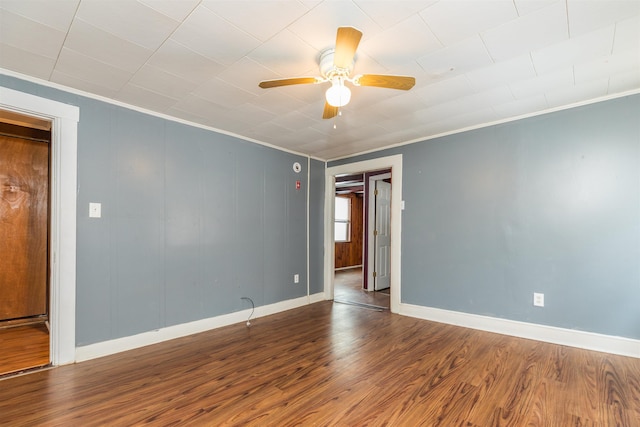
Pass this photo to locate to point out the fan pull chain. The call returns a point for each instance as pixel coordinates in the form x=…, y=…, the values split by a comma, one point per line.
x=335, y=119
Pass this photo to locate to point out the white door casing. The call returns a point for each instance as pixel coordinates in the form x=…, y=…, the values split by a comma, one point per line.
x=64, y=133
x=394, y=163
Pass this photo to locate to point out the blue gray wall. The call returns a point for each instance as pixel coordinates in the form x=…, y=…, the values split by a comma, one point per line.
x=192, y=220
x=548, y=204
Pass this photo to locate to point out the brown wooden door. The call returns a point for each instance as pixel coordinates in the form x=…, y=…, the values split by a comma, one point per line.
x=24, y=198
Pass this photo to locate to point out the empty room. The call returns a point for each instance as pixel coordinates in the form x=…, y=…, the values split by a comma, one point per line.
x=320, y=213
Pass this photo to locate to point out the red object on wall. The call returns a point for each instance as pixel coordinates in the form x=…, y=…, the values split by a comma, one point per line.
x=297, y=185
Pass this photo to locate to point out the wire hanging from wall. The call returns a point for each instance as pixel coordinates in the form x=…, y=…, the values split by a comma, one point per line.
x=253, y=308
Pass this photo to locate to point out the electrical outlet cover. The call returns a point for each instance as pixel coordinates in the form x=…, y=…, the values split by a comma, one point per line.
x=538, y=299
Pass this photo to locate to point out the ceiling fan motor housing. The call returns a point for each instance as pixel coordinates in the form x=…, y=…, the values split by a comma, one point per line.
x=327, y=67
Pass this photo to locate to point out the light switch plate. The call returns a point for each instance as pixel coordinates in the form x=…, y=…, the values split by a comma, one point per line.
x=95, y=210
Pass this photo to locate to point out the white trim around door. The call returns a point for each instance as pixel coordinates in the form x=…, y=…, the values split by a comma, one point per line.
x=64, y=142
x=395, y=163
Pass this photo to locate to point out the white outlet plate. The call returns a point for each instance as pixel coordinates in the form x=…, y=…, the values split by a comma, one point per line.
x=538, y=299
x=95, y=210
x=296, y=278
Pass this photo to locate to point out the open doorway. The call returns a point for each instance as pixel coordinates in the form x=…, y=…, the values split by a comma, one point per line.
x=62, y=239
x=24, y=241
x=332, y=181
x=362, y=236
x=354, y=232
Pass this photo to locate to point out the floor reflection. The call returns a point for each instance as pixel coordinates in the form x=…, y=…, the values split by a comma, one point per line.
x=348, y=289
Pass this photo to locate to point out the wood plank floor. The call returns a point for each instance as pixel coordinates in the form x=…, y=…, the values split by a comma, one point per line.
x=348, y=289
x=334, y=364
x=23, y=347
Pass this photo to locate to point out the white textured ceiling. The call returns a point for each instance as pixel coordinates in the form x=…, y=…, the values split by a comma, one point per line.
x=475, y=61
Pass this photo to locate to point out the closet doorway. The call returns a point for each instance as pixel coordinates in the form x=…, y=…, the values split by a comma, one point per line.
x=24, y=241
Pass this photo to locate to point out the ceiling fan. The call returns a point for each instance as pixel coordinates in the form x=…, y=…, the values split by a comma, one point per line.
x=336, y=66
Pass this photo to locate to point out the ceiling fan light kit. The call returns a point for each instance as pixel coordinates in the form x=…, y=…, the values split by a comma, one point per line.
x=338, y=95
x=335, y=67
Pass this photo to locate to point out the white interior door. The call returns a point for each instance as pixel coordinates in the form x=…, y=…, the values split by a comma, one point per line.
x=382, y=236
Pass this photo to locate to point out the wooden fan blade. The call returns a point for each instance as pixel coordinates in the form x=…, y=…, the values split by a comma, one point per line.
x=329, y=111
x=380, y=80
x=287, y=82
x=347, y=42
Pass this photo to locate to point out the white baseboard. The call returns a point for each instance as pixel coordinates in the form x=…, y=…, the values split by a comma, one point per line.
x=105, y=348
x=569, y=337
x=317, y=298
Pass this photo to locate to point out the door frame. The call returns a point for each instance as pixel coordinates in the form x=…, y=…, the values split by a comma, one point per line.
x=62, y=228
x=371, y=226
x=394, y=163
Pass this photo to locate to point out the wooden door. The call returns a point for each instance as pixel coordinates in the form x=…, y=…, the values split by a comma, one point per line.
x=24, y=199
